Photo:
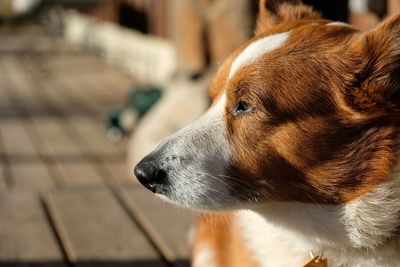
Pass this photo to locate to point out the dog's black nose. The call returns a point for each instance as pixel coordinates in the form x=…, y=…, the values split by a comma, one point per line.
x=150, y=175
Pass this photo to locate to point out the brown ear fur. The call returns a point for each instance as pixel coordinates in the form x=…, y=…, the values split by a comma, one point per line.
x=378, y=85
x=273, y=12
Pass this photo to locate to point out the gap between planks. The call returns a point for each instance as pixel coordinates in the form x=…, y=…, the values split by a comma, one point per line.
x=166, y=226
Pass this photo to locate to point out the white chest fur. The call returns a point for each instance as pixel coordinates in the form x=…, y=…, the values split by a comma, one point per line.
x=361, y=233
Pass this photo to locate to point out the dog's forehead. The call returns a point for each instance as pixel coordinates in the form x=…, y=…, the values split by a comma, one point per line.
x=270, y=48
x=256, y=50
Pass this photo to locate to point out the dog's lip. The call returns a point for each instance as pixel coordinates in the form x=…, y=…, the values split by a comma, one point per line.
x=162, y=196
x=166, y=199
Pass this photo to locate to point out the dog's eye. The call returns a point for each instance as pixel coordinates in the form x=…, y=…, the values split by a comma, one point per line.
x=242, y=107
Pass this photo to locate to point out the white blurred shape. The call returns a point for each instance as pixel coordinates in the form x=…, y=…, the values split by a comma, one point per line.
x=23, y=6
x=358, y=6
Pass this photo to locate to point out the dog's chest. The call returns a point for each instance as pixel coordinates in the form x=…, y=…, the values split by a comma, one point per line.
x=265, y=243
x=274, y=246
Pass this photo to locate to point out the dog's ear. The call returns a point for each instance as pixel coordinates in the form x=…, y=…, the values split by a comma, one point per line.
x=273, y=12
x=377, y=87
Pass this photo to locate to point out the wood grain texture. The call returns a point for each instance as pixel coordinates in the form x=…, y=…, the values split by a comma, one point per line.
x=79, y=173
x=57, y=142
x=119, y=173
x=97, y=228
x=17, y=141
x=30, y=176
x=168, y=226
x=59, y=166
x=24, y=233
x=3, y=184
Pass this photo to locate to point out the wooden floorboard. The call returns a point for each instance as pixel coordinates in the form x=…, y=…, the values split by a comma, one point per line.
x=88, y=132
x=167, y=226
x=96, y=228
x=17, y=143
x=79, y=173
x=57, y=142
x=19, y=86
x=61, y=178
x=25, y=233
x=93, y=133
x=120, y=173
x=3, y=183
x=30, y=176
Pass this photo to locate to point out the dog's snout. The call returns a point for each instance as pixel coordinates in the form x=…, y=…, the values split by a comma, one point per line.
x=150, y=175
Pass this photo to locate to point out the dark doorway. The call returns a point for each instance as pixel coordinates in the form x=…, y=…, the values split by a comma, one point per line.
x=133, y=19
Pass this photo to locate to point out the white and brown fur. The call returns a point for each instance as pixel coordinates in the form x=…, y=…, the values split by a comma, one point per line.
x=299, y=150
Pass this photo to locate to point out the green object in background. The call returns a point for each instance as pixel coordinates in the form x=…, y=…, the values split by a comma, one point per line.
x=123, y=118
x=121, y=121
x=143, y=99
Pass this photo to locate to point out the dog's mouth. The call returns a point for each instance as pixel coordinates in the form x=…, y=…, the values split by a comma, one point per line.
x=189, y=166
x=196, y=184
x=185, y=186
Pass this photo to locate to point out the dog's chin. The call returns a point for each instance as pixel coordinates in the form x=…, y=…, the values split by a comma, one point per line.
x=203, y=205
x=167, y=200
x=194, y=205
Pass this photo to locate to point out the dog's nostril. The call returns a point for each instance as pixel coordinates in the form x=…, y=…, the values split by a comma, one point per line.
x=161, y=177
x=151, y=175
x=142, y=173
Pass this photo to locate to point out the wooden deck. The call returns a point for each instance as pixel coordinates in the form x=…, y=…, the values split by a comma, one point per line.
x=65, y=195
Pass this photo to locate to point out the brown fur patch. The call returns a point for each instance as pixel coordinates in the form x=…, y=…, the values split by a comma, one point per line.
x=377, y=88
x=221, y=233
x=273, y=12
x=325, y=124
x=304, y=142
x=325, y=127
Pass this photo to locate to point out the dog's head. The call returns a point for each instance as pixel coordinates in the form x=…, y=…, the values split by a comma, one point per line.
x=306, y=111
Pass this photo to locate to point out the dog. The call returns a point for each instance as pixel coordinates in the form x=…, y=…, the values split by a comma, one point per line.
x=297, y=157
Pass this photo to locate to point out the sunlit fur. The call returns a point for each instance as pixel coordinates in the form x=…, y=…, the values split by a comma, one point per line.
x=195, y=158
x=310, y=164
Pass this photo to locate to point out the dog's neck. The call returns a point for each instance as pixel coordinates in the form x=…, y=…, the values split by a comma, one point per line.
x=361, y=233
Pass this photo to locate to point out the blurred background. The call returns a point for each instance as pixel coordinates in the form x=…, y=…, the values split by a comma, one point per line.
x=88, y=87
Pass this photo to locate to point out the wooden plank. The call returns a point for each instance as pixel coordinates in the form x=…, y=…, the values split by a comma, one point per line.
x=95, y=228
x=96, y=87
x=109, y=177
x=100, y=89
x=30, y=176
x=101, y=86
x=118, y=82
x=57, y=142
x=95, y=90
x=16, y=140
x=20, y=87
x=167, y=226
x=93, y=133
x=78, y=173
x=53, y=88
x=74, y=64
x=33, y=41
x=56, y=93
x=76, y=88
x=89, y=134
x=32, y=88
x=114, y=83
x=3, y=184
x=24, y=233
x=4, y=171
x=119, y=173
